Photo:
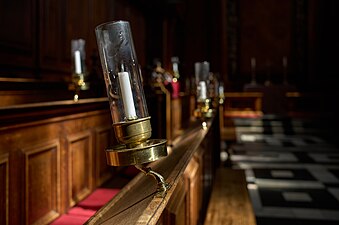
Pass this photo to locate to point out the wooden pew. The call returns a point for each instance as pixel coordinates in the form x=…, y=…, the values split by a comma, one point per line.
x=230, y=202
x=169, y=116
x=189, y=169
x=243, y=101
x=51, y=157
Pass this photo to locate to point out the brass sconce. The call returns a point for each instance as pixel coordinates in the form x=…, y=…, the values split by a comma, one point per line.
x=79, y=75
x=131, y=121
x=204, y=103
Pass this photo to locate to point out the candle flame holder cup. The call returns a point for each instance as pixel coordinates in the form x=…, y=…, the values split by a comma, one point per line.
x=131, y=121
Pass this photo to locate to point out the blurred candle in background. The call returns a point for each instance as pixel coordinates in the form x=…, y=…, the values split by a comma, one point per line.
x=77, y=59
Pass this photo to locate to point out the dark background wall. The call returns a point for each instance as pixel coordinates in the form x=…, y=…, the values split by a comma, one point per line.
x=35, y=37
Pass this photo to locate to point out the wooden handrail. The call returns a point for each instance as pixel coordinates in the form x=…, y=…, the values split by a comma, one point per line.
x=136, y=202
x=243, y=95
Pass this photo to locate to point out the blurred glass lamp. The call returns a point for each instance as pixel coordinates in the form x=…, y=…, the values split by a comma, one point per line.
x=204, y=103
x=79, y=67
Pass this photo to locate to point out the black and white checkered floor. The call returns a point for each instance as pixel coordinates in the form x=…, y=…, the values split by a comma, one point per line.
x=292, y=171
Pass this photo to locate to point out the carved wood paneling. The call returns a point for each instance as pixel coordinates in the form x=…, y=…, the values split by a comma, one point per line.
x=79, y=166
x=46, y=150
x=4, y=177
x=193, y=186
x=103, y=137
x=176, y=210
x=198, y=157
x=176, y=117
x=42, y=182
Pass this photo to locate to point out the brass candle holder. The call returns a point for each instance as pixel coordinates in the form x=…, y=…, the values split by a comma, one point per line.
x=131, y=122
x=135, y=146
x=137, y=149
x=78, y=84
x=204, y=109
x=204, y=103
x=79, y=67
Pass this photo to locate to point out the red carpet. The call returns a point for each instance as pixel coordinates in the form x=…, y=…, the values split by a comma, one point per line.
x=98, y=198
x=78, y=211
x=70, y=220
x=87, y=207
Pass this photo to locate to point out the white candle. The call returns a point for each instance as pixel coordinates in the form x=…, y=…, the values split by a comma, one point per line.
x=197, y=72
x=285, y=61
x=77, y=59
x=221, y=90
x=253, y=62
x=203, y=90
x=126, y=95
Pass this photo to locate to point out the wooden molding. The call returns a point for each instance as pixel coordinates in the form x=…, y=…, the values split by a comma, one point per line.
x=42, y=182
x=193, y=188
x=176, y=210
x=36, y=156
x=79, y=150
x=102, y=141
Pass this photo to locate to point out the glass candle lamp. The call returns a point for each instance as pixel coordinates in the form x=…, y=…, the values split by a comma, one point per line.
x=79, y=75
x=204, y=103
x=131, y=121
x=121, y=72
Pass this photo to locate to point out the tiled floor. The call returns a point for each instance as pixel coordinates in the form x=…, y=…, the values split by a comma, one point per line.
x=292, y=171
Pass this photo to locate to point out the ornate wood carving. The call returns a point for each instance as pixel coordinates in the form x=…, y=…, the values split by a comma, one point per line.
x=42, y=182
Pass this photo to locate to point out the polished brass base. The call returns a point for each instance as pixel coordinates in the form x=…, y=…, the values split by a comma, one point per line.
x=204, y=114
x=163, y=186
x=78, y=84
x=148, y=151
x=134, y=132
x=221, y=100
x=204, y=109
x=136, y=148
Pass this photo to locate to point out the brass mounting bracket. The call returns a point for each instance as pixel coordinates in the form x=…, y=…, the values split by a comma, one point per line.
x=163, y=186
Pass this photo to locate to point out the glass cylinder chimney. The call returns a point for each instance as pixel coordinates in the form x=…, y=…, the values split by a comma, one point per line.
x=202, y=70
x=121, y=72
x=131, y=121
